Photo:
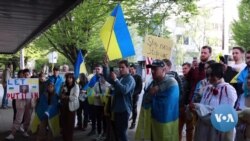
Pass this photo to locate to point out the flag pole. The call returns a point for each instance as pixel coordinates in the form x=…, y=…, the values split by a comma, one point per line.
x=111, y=34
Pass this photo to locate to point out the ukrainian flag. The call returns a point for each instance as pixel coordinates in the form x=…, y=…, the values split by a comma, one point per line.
x=115, y=36
x=52, y=114
x=79, y=66
x=159, y=115
x=90, y=95
x=93, y=81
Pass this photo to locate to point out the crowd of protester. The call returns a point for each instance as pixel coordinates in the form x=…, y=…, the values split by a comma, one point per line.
x=109, y=100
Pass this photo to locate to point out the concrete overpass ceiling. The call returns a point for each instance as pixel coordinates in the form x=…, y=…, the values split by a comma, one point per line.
x=23, y=20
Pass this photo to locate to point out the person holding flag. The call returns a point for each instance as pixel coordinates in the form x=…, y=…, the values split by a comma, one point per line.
x=101, y=90
x=84, y=105
x=118, y=44
x=79, y=67
x=47, y=112
x=124, y=86
x=91, y=96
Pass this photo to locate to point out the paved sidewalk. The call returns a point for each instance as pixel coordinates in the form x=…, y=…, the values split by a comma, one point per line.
x=6, y=116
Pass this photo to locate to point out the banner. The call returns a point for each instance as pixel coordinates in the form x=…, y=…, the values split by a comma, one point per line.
x=22, y=88
x=157, y=47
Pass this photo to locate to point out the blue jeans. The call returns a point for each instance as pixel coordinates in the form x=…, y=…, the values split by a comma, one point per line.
x=121, y=125
x=5, y=100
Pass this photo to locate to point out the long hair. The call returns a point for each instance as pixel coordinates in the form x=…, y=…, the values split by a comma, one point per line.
x=69, y=75
x=83, y=79
x=216, y=70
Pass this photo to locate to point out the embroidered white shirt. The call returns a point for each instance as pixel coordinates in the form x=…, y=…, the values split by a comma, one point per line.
x=226, y=94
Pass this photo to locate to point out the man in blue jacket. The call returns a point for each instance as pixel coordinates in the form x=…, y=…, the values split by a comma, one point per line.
x=56, y=79
x=122, y=102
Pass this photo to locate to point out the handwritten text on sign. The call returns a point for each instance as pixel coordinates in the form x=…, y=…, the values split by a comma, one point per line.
x=157, y=47
x=22, y=88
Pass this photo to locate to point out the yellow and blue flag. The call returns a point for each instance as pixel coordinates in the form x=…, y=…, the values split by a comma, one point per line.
x=159, y=115
x=115, y=36
x=50, y=112
x=79, y=66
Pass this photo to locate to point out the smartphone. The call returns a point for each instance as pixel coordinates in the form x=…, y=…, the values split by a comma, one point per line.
x=111, y=69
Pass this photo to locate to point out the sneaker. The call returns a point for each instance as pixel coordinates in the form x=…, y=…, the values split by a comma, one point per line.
x=25, y=134
x=21, y=129
x=132, y=126
x=10, y=137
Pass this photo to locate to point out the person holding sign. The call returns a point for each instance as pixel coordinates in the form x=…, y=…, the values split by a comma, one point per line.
x=24, y=111
x=19, y=75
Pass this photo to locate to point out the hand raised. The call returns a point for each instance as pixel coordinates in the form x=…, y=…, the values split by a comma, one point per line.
x=113, y=76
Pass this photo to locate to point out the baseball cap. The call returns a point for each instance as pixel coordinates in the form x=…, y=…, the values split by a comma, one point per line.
x=156, y=63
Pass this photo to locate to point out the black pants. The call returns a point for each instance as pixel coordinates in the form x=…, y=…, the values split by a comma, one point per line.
x=68, y=121
x=121, y=125
x=99, y=118
x=92, y=116
x=83, y=111
x=134, y=107
x=110, y=133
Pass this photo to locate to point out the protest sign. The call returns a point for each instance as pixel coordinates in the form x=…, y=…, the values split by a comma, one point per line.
x=157, y=47
x=22, y=88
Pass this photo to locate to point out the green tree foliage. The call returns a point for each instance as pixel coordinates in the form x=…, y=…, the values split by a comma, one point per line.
x=150, y=15
x=80, y=28
x=241, y=28
x=9, y=58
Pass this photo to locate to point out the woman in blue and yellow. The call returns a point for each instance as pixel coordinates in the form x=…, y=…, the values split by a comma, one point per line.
x=47, y=112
